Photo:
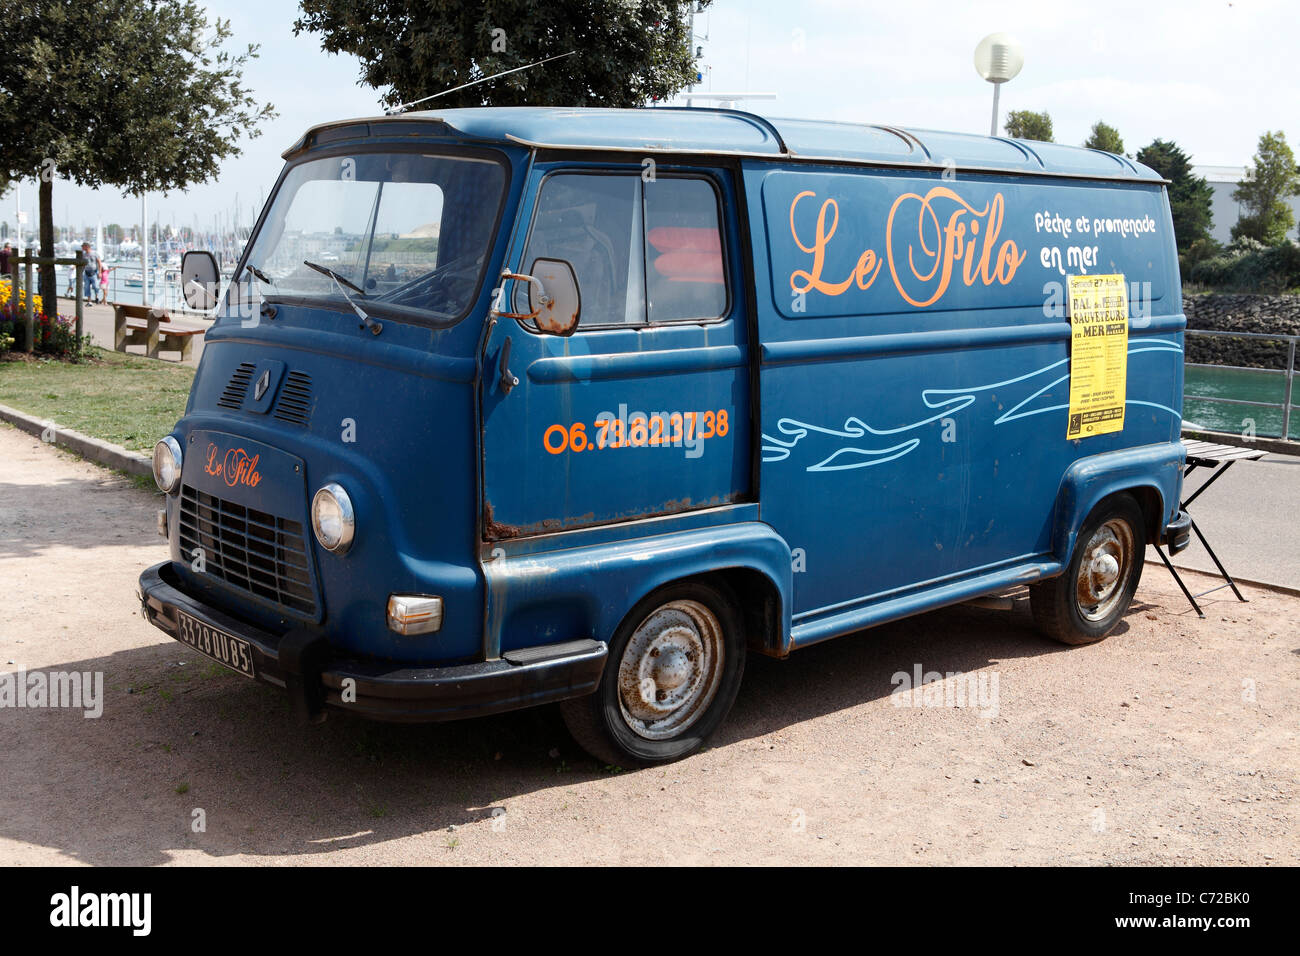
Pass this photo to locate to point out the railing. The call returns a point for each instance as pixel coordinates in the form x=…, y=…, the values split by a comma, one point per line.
x=29, y=260
x=123, y=286
x=1288, y=374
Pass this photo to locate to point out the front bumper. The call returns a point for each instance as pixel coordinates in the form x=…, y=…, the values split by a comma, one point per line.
x=1178, y=533
x=303, y=663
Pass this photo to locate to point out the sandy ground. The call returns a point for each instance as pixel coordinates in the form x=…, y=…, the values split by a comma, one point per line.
x=1174, y=741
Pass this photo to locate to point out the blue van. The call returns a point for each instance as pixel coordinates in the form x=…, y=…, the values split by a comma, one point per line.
x=512, y=406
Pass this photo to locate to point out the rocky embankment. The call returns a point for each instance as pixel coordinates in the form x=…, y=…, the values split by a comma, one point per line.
x=1279, y=314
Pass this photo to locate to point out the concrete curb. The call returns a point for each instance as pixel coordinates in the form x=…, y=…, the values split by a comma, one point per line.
x=105, y=453
x=1156, y=563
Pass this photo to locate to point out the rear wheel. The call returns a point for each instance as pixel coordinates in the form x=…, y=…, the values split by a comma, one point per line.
x=674, y=669
x=1085, y=603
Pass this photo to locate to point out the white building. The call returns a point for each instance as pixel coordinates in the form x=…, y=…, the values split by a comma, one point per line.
x=1223, y=181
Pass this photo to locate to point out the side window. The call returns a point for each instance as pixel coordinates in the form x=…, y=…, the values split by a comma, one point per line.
x=684, y=276
x=594, y=223
x=642, y=252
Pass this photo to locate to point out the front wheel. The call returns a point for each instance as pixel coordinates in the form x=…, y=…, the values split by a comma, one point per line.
x=1085, y=603
x=674, y=669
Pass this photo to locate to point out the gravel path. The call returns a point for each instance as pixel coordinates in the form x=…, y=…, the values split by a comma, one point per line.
x=1174, y=741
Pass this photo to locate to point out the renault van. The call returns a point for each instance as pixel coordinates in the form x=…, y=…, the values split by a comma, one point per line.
x=506, y=407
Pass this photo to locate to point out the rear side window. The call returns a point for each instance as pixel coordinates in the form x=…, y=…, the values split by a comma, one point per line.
x=642, y=252
x=684, y=275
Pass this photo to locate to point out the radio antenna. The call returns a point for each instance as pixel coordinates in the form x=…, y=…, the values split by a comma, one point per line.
x=406, y=106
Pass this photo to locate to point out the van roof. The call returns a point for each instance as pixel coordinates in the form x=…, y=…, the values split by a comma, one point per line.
x=735, y=132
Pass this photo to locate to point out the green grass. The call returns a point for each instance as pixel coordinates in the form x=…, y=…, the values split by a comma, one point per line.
x=126, y=399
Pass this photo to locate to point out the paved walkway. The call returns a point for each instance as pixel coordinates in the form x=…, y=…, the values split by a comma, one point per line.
x=97, y=321
x=1249, y=517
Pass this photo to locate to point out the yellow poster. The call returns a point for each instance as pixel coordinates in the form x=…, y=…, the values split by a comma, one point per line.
x=1098, y=355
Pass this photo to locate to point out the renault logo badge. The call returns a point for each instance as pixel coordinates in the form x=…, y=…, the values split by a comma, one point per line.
x=262, y=385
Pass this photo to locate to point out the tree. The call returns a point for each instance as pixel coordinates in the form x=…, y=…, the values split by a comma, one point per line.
x=1189, y=196
x=1106, y=138
x=138, y=94
x=627, y=51
x=114, y=232
x=1265, y=190
x=1026, y=124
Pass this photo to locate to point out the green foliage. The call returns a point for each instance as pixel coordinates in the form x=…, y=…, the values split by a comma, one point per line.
x=1189, y=196
x=627, y=51
x=54, y=336
x=170, y=96
x=1265, y=190
x=137, y=94
x=1106, y=138
x=1026, y=124
x=1246, y=265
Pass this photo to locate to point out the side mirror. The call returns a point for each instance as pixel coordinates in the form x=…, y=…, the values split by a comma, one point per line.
x=558, y=306
x=200, y=280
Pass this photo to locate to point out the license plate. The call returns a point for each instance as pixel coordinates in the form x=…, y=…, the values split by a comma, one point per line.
x=235, y=652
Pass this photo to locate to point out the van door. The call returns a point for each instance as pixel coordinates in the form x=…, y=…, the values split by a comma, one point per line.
x=644, y=409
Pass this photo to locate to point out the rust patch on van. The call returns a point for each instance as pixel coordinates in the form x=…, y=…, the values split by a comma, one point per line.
x=495, y=529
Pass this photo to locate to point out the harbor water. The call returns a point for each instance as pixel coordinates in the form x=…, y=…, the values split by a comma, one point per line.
x=1252, y=385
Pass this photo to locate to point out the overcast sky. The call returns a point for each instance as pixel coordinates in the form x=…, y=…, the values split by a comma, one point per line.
x=1212, y=76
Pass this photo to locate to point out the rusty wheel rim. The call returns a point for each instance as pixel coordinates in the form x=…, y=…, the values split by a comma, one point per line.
x=1104, y=570
x=670, y=670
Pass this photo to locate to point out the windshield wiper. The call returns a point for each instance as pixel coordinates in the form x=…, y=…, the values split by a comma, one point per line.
x=258, y=273
x=335, y=276
x=261, y=277
x=366, y=321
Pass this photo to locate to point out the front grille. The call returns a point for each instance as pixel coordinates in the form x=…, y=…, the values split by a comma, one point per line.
x=233, y=394
x=256, y=552
x=293, y=404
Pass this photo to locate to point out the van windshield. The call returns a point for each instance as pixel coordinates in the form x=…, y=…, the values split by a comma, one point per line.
x=411, y=231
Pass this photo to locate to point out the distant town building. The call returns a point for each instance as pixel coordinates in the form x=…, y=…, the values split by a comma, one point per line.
x=1223, y=181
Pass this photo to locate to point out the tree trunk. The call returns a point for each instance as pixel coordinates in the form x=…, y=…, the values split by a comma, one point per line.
x=49, y=283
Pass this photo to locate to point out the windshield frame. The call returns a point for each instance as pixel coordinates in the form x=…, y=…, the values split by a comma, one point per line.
x=337, y=303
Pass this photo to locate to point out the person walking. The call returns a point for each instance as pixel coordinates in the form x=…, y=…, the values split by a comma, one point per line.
x=103, y=282
x=5, y=255
x=91, y=272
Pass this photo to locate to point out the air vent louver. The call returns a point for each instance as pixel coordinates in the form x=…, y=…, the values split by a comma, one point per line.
x=237, y=388
x=294, y=403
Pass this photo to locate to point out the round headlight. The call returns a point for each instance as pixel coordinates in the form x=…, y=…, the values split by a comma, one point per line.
x=332, y=518
x=167, y=464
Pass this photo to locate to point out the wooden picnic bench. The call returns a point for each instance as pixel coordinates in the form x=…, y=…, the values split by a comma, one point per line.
x=142, y=325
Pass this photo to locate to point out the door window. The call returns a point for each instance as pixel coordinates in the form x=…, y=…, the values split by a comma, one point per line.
x=642, y=252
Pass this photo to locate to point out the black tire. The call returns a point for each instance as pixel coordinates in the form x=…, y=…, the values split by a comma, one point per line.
x=602, y=723
x=1061, y=610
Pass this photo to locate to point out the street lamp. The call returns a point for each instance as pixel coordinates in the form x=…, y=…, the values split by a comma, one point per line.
x=998, y=58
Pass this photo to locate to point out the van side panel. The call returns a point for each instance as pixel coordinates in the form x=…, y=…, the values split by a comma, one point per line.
x=915, y=367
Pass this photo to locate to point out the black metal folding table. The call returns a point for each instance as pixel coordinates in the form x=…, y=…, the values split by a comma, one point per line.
x=1219, y=458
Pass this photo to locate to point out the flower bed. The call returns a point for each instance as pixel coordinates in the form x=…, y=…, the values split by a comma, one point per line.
x=54, y=336
x=7, y=295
